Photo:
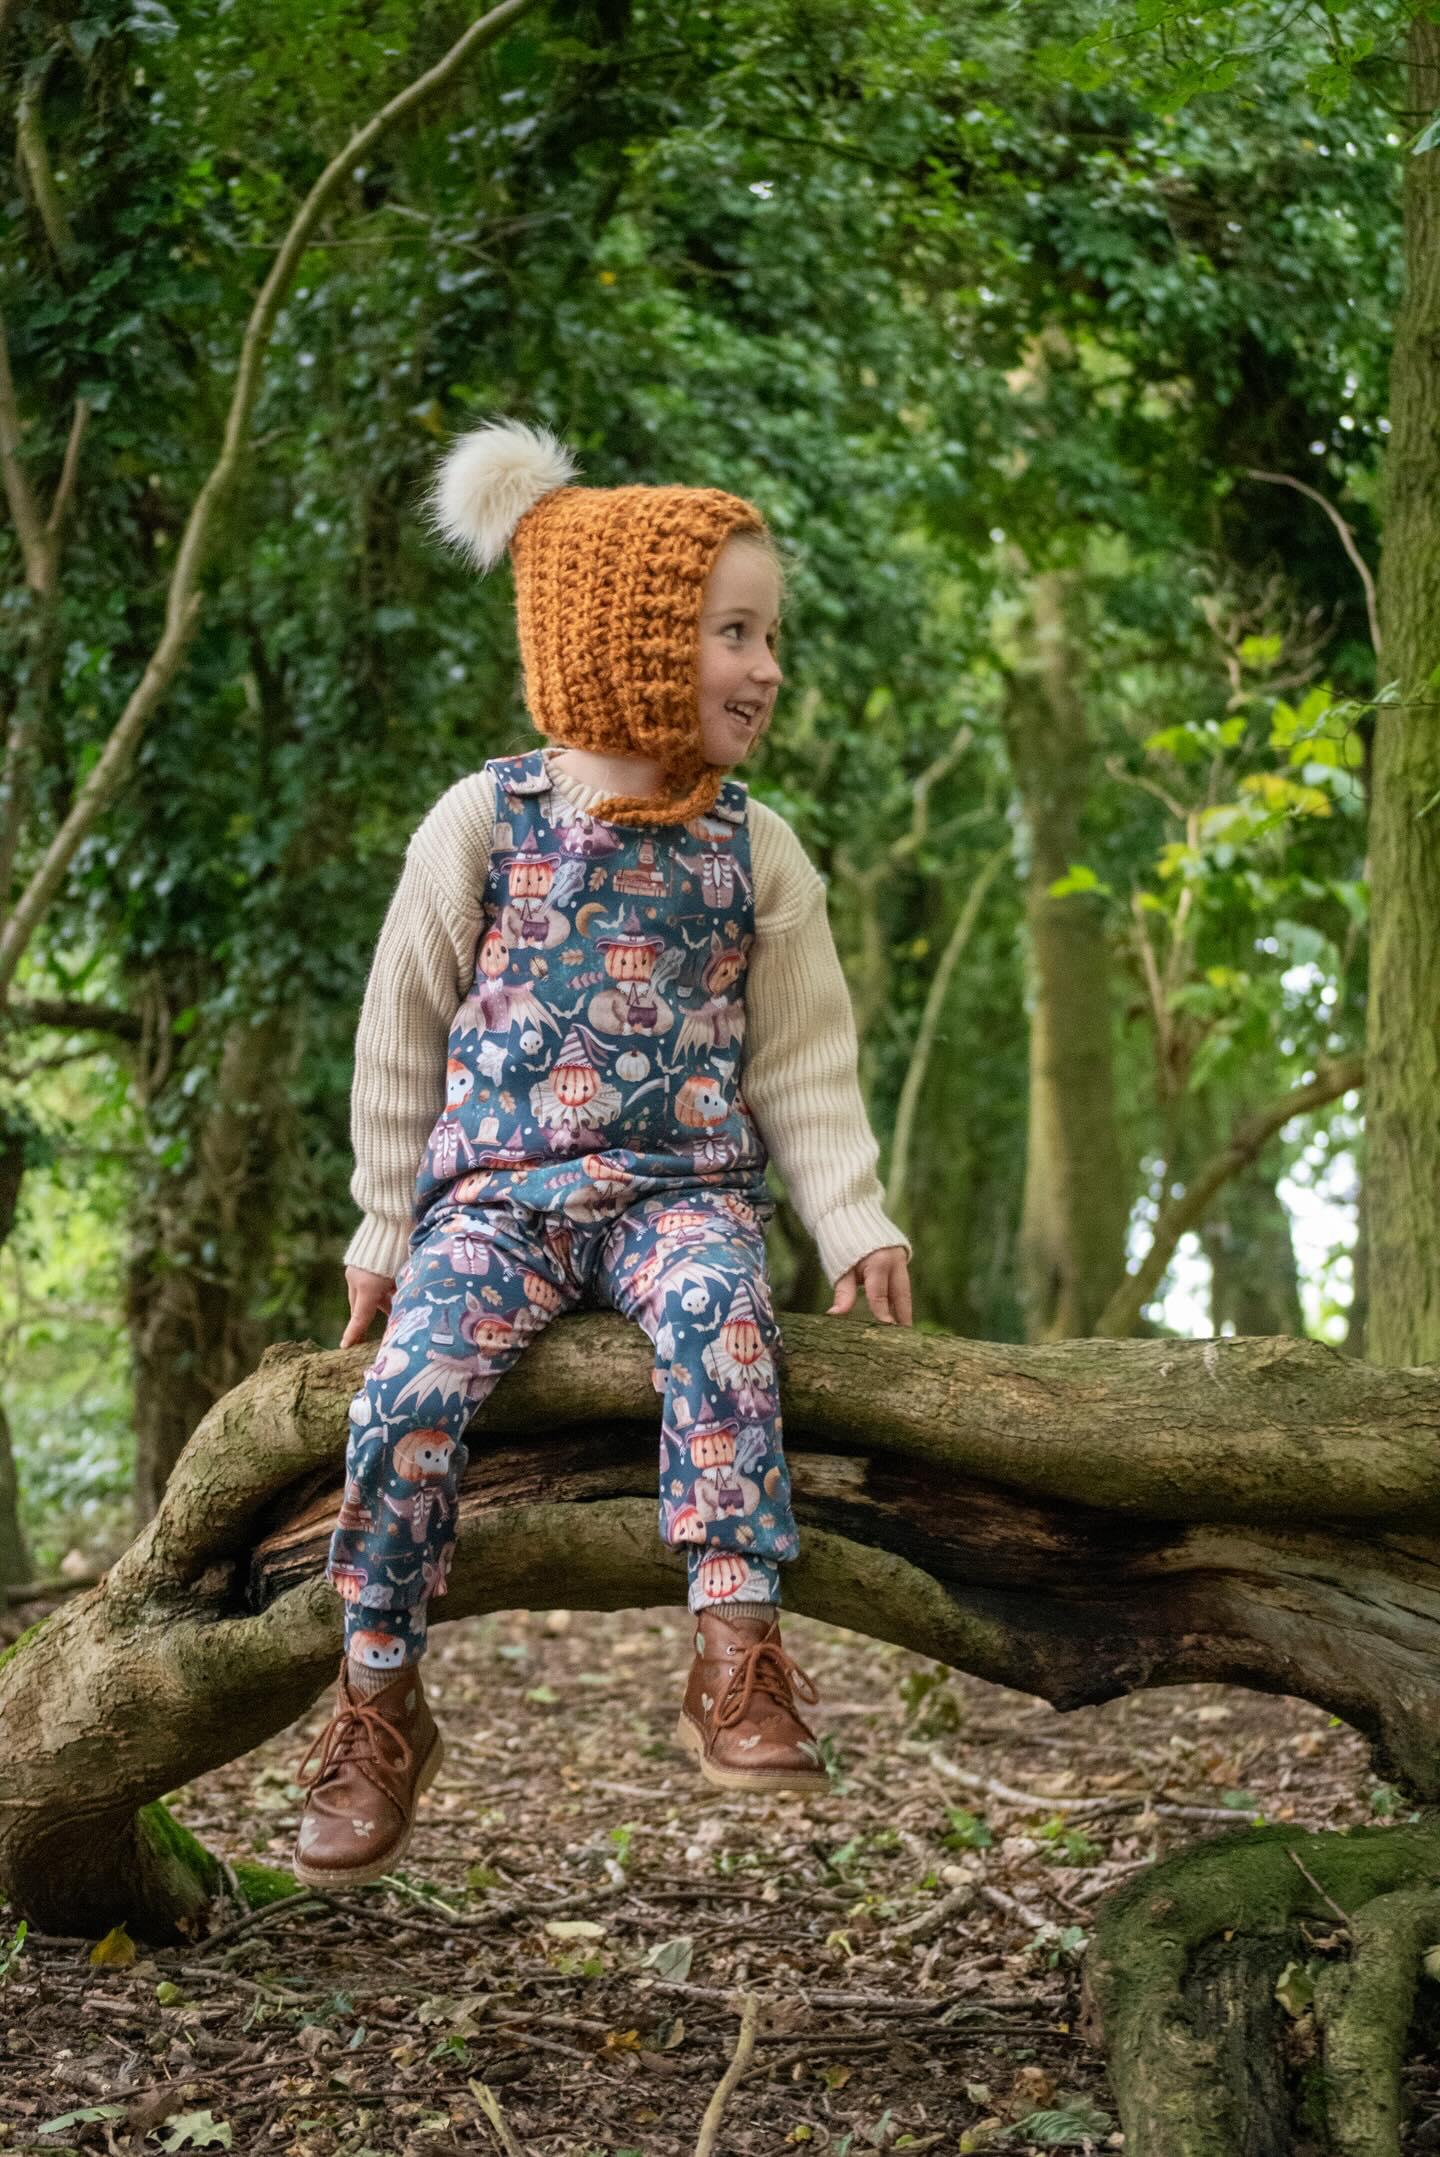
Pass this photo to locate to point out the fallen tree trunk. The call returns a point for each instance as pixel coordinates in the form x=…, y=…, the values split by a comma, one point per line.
x=1076, y=1520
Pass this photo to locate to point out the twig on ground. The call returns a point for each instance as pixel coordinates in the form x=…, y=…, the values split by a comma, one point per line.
x=937, y=1916
x=1112, y=1801
x=255, y=1920
x=489, y=2104
x=743, y=2054
x=1014, y=1907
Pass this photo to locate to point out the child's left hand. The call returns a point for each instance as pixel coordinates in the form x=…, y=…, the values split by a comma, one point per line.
x=886, y=1275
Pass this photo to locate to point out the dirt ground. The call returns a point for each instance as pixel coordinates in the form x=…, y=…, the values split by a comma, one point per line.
x=560, y=1967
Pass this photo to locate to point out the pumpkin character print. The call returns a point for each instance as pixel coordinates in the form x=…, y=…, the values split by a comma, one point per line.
x=738, y=1359
x=703, y=1107
x=720, y=1492
x=424, y=1459
x=681, y=1524
x=495, y=1005
x=539, y=884
x=726, y=1577
x=574, y=1104
x=639, y=964
x=718, y=1023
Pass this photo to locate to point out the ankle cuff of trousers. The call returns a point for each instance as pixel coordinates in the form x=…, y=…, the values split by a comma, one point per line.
x=763, y=1587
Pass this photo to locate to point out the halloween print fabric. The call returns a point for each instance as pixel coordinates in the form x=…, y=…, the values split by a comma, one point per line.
x=595, y=1146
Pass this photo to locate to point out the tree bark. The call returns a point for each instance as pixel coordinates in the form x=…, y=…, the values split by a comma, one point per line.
x=1077, y=1521
x=203, y=1235
x=1180, y=1980
x=15, y=1561
x=1402, y=1046
x=1076, y=1199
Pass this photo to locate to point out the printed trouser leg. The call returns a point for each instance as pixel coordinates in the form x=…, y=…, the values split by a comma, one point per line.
x=478, y=1286
x=691, y=1271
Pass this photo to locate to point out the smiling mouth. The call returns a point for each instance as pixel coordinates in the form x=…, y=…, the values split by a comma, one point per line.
x=747, y=714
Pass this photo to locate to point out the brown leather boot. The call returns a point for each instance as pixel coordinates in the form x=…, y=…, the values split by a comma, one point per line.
x=739, y=1716
x=377, y=1756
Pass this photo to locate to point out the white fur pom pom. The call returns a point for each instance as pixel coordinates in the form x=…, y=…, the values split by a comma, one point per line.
x=487, y=480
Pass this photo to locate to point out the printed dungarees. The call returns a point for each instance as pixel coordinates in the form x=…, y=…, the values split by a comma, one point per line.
x=595, y=1146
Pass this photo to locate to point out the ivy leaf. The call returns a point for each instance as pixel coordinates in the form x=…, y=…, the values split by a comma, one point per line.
x=1294, y=1988
x=198, y=2130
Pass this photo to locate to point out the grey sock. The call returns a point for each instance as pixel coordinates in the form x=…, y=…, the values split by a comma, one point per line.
x=365, y=1681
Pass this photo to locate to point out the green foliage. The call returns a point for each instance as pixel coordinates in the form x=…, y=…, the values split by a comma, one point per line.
x=957, y=300
x=965, y=1830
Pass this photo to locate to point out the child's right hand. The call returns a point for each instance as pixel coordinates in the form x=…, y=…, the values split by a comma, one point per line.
x=369, y=1293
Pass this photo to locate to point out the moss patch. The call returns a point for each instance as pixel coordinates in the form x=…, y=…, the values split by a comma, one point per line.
x=180, y=1846
x=262, y=1884
x=16, y=1645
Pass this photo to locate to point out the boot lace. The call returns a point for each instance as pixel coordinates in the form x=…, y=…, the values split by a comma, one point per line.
x=343, y=1738
x=764, y=1667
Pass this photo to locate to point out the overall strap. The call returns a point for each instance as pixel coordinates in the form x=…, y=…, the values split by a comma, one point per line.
x=524, y=774
x=730, y=802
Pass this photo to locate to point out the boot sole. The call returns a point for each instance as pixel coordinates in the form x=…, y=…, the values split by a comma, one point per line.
x=376, y=1868
x=803, y=1782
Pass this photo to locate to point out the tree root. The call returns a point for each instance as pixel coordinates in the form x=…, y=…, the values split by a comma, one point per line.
x=1206, y=2057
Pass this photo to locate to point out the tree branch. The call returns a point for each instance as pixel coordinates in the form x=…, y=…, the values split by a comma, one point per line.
x=184, y=597
x=1347, y=541
x=919, y=1063
x=1121, y=1314
x=77, y=1017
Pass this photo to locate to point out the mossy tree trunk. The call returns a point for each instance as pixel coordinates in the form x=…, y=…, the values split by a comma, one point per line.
x=203, y=1227
x=1256, y=1992
x=15, y=1568
x=1402, y=1046
x=1076, y=1196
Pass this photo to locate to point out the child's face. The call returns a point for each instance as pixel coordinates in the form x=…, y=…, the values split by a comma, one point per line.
x=739, y=622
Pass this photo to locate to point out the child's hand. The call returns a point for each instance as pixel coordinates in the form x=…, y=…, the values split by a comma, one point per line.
x=886, y=1275
x=369, y=1293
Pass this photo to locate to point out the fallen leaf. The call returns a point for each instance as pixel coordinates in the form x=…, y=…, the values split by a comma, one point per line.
x=671, y=1958
x=115, y=1951
x=198, y=2130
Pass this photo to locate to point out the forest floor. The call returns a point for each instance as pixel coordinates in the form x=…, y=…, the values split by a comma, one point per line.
x=559, y=1967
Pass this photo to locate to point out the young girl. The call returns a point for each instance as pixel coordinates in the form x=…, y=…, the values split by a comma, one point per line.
x=616, y=970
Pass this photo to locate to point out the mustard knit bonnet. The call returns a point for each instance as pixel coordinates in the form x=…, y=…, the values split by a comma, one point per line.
x=608, y=586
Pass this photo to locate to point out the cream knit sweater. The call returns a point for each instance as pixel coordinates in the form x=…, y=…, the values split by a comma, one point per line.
x=799, y=1060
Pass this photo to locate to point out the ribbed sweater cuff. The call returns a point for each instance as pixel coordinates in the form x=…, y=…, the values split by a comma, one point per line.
x=851, y=1233
x=380, y=1245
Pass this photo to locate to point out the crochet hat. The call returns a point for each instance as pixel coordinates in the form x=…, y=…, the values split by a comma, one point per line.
x=608, y=585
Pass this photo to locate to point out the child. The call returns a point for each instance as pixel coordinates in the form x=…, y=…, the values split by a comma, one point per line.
x=617, y=968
